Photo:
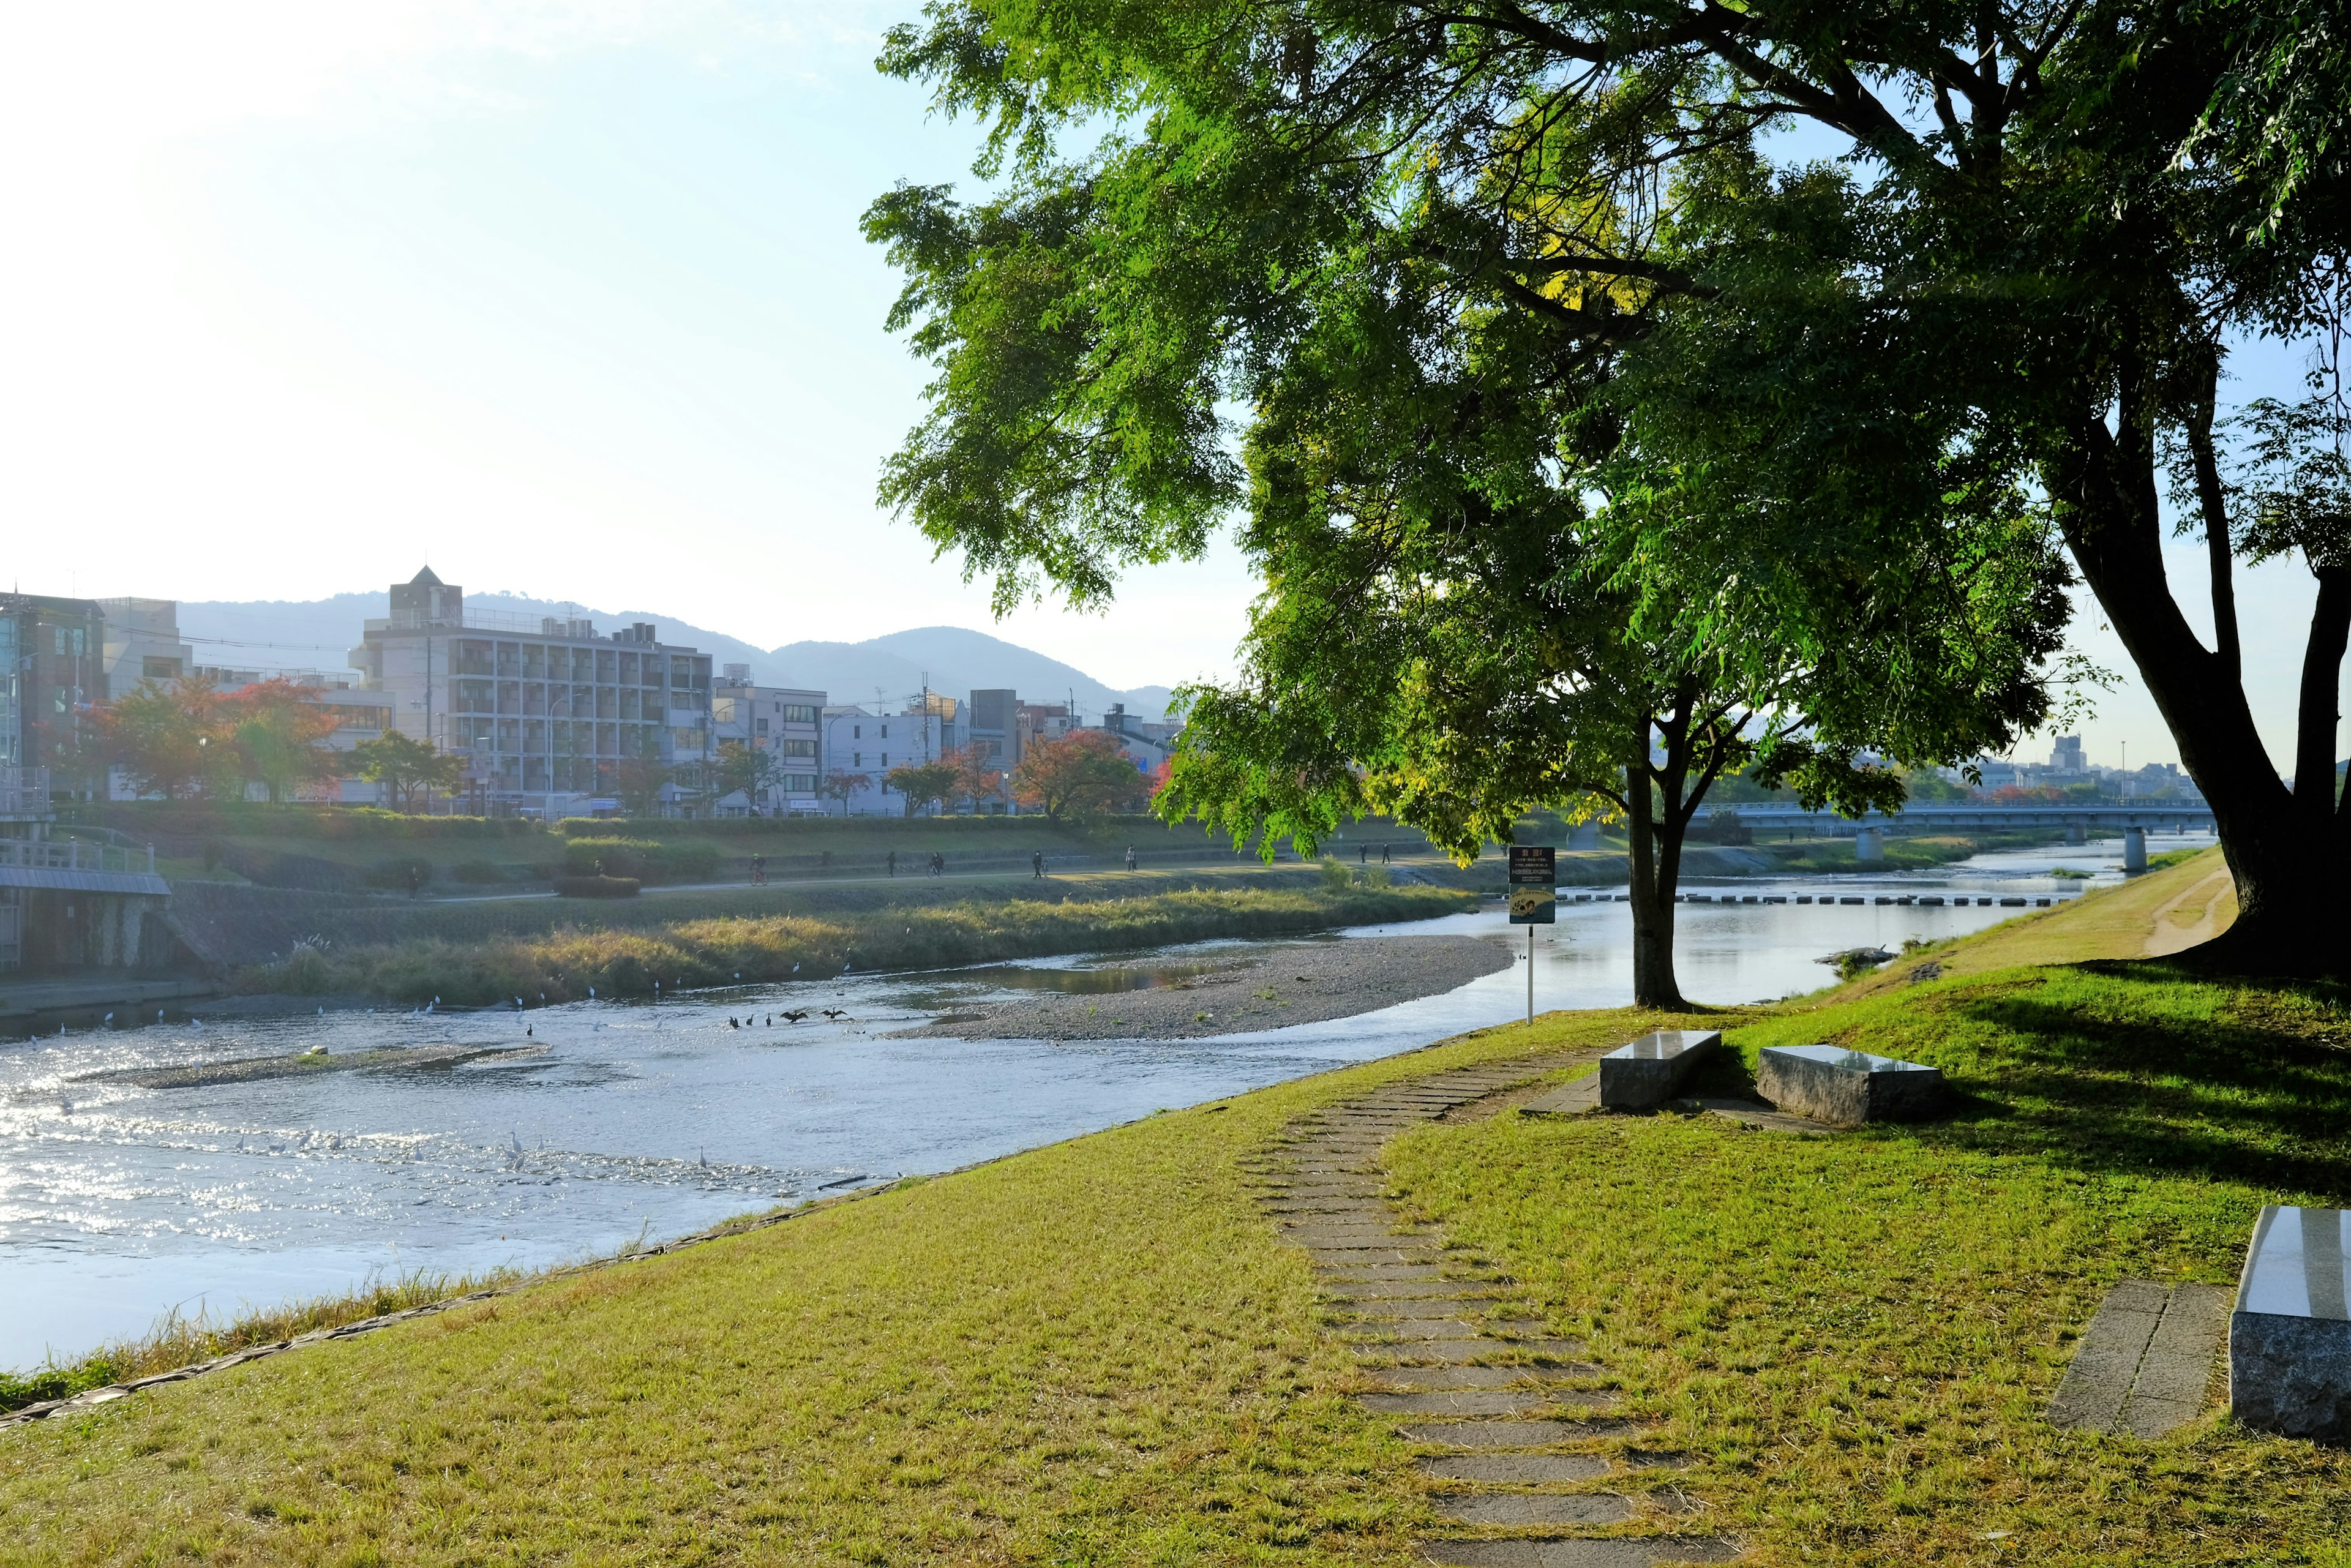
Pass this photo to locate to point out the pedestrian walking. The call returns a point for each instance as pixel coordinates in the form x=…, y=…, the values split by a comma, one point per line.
x=1129, y=857
x=938, y=864
x=759, y=870
x=1362, y=854
x=1037, y=862
x=1383, y=854
x=893, y=862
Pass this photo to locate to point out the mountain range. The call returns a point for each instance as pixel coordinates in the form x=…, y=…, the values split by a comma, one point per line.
x=314, y=633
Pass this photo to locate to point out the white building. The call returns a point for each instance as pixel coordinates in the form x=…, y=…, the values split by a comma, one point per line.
x=142, y=644
x=784, y=724
x=865, y=746
x=546, y=713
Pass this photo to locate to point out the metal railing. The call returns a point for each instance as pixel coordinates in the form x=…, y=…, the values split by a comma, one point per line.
x=74, y=854
x=23, y=792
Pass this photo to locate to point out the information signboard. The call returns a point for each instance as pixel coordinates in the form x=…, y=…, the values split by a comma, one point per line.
x=1534, y=871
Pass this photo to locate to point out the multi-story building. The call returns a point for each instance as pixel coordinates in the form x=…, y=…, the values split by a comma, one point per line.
x=865, y=746
x=549, y=716
x=52, y=672
x=784, y=724
x=142, y=644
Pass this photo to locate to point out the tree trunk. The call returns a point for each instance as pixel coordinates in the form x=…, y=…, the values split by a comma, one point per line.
x=1656, y=864
x=2285, y=851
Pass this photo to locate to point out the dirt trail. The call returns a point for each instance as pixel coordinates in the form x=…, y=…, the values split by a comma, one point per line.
x=2171, y=936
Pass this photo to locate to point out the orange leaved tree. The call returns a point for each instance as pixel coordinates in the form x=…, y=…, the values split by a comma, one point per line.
x=1083, y=772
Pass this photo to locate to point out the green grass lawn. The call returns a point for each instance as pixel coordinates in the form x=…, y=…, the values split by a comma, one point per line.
x=1099, y=1352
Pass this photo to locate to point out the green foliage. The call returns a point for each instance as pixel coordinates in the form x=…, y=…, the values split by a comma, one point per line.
x=481, y=873
x=53, y=1382
x=594, y=885
x=661, y=860
x=405, y=767
x=403, y=873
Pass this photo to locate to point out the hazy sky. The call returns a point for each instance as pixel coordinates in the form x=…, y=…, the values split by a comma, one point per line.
x=569, y=299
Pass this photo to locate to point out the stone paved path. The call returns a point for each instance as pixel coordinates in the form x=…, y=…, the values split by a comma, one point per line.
x=2145, y=1361
x=1524, y=1458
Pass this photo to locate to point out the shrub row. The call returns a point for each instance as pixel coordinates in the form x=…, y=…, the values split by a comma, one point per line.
x=649, y=860
x=596, y=886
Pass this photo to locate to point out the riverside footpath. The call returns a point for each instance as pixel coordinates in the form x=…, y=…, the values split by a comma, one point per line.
x=1510, y=1421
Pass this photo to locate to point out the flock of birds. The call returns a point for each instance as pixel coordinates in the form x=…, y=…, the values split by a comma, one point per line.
x=795, y=1015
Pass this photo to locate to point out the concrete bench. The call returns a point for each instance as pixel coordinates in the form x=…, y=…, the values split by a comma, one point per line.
x=2290, y=1335
x=1846, y=1088
x=1646, y=1073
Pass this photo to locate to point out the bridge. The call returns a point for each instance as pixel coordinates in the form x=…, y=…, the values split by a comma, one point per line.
x=2148, y=816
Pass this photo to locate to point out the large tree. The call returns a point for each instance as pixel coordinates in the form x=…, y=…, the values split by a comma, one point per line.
x=1468, y=617
x=2031, y=231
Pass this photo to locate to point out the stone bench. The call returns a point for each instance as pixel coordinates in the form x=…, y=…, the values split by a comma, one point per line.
x=1646, y=1074
x=1846, y=1088
x=2290, y=1335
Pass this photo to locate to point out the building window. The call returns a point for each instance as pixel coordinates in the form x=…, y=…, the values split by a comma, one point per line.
x=763, y=726
x=800, y=783
x=857, y=759
x=856, y=731
x=798, y=712
x=886, y=732
x=798, y=749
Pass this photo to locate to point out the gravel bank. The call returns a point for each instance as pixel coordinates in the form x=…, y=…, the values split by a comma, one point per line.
x=1305, y=983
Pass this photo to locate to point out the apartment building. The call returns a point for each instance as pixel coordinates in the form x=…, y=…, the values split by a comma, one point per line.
x=864, y=746
x=52, y=671
x=784, y=724
x=546, y=714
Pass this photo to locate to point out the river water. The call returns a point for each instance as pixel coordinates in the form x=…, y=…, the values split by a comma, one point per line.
x=118, y=1204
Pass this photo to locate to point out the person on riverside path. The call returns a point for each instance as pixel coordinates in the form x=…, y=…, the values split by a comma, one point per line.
x=938, y=864
x=759, y=870
x=893, y=862
x=1129, y=857
x=1037, y=862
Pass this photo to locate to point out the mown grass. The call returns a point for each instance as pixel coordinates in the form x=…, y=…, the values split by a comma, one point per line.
x=1857, y=1334
x=564, y=963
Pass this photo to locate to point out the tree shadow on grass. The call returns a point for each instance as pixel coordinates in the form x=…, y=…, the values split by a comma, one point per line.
x=2141, y=1067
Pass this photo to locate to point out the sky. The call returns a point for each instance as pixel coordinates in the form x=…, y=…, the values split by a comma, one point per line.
x=566, y=299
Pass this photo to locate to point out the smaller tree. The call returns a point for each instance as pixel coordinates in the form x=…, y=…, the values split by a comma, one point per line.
x=165, y=738
x=1083, y=772
x=279, y=736
x=976, y=775
x=744, y=768
x=842, y=786
x=637, y=781
x=400, y=765
x=926, y=783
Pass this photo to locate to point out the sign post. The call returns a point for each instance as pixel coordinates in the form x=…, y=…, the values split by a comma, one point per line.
x=1534, y=900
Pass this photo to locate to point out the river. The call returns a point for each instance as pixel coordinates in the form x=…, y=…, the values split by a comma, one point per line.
x=118, y=1204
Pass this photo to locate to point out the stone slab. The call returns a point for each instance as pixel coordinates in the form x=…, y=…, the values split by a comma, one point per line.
x=1846, y=1088
x=1356, y=1266
x=2106, y=1359
x=1478, y=1434
x=1414, y=1290
x=1620, y=1552
x=1418, y=1379
x=2146, y=1360
x=1514, y=1469
x=1572, y=1099
x=2290, y=1333
x=1643, y=1073
x=1460, y=1402
x=1534, y=1508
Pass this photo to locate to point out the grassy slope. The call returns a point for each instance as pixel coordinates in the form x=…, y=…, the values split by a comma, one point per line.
x=1098, y=1352
x=2113, y=923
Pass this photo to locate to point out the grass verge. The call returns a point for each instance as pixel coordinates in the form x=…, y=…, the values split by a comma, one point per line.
x=562, y=964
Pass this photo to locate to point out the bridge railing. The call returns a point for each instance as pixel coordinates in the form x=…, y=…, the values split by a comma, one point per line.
x=74, y=854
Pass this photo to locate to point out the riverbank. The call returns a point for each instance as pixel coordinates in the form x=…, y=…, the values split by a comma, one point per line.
x=1304, y=983
x=568, y=961
x=1102, y=1351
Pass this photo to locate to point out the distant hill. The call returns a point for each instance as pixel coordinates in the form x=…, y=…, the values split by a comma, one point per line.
x=314, y=634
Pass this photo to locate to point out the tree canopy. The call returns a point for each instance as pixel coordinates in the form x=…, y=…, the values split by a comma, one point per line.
x=1832, y=276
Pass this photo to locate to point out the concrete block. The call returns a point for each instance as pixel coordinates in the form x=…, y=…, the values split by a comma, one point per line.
x=2290, y=1334
x=1846, y=1088
x=1646, y=1073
